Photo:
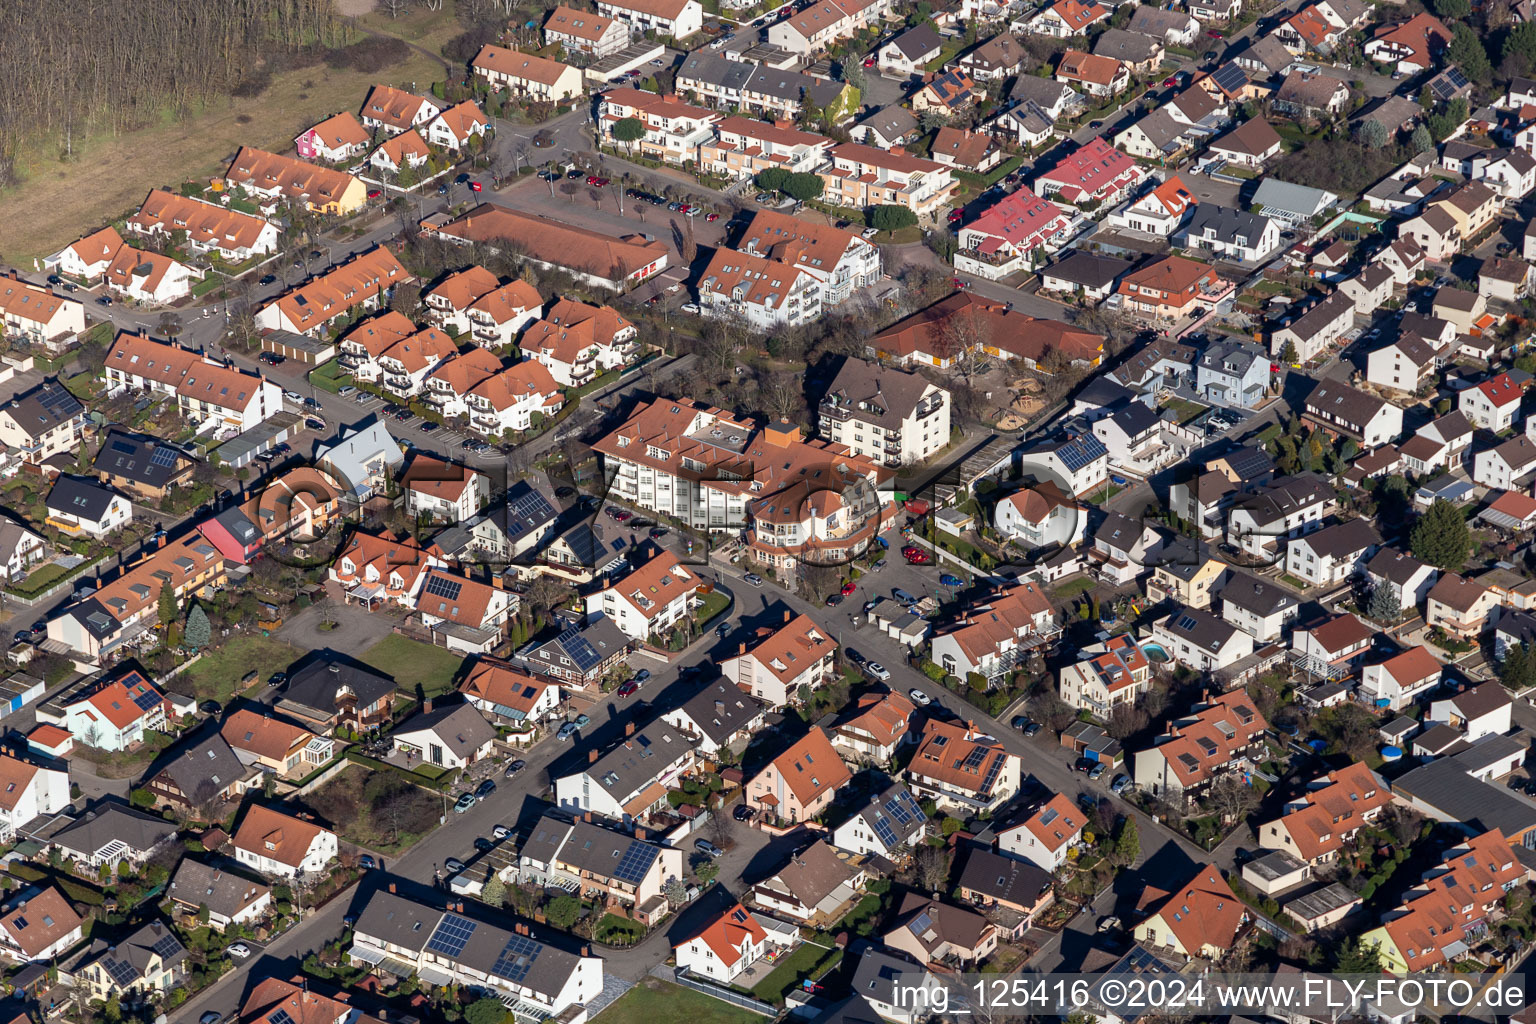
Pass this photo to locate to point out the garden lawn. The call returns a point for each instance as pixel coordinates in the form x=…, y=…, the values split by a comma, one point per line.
x=329, y=376
x=217, y=674
x=413, y=663
x=788, y=972
x=654, y=1000
x=714, y=603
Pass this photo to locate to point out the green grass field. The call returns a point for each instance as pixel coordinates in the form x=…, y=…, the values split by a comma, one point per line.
x=653, y=1000
x=788, y=972
x=217, y=675
x=414, y=663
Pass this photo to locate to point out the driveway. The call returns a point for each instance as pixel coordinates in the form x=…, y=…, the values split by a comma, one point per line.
x=356, y=628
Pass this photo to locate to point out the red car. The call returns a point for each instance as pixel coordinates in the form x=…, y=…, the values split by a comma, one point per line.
x=597, y=182
x=374, y=193
x=474, y=186
x=849, y=588
x=916, y=555
x=627, y=687
x=711, y=216
x=869, y=62
x=956, y=216
x=1213, y=33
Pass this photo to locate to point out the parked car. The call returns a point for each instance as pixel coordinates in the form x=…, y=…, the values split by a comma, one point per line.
x=877, y=670
x=833, y=600
x=374, y=193
x=566, y=731
x=210, y=707
x=742, y=813
x=690, y=307
x=500, y=832
x=1032, y=729
x=919, y=698
x=708, y=849
x=1084, y=765
x=642, y=675
x=869, y=233
x=485, y=789
x=753, y=579
x=950, y=580
x=453, y=864
x=903, y=596
x=849, y=588
x=1118, y=786
x=1109, y=924
x=512, y=770
x=1097, y=770
x=916, y=555
x=582, y=721
x=1020, y=722
x=483, y=844
x=626, y=688
x=723, y=630
x=211, y=1017
x=239, y=950
x=346, y=391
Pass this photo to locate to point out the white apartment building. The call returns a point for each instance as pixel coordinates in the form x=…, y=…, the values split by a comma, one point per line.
x=885, y=414
x=649, y=601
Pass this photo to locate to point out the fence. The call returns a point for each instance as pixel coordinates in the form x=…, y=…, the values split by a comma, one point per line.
x=727, y=995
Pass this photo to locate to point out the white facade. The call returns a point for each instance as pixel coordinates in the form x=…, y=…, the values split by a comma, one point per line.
x=323, y=849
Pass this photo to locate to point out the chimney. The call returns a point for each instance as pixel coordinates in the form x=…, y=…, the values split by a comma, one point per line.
x=586, y=816
x=607, y=583
x=788, y=615
x=629, y=728
x=498, y=581
x=591, y=757
x=639, y=833
x=391, y=887
x=898, y=150
x=741, y=649
x=426, y=706
x=586, y=950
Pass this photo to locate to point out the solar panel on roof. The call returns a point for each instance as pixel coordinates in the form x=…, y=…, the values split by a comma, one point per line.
x=124, y=447
x=452, y=934
x=444, y=586
x=993, y=771
x=922, y=923
x=578, y=649
x=166, y=947
x=529, y=509
x=120, y=971
x=904, y=808
x=163, y=456
x=973, y=758
x=280, y=1017
x=636, y=862
x=517, y=958
x=884, y=830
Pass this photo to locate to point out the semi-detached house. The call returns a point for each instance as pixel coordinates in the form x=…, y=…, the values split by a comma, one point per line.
x=596, y=35
x=631, y=778
x=337, y=138
x=597, y=861
x=490, y=313
x=1224, y=734
x=1011, y=235
x=674, y=130
x=524, y=74
x=826, y=22
x=1316, y=329
x=362, y=283
x=961, y=769
x=862, y=176
x=676, y=18
x=577, y=341
x=743, y=147
x=272, y=177
x=209, y=227
x=1342, y=410
x=204, y=389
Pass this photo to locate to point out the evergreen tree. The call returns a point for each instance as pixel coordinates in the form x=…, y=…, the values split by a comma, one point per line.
x=199, y=630
x=1288, y=353
x=1383, y=606
x=495, y=892
x=1518, y=671
x=1421, y=141
x=1356, y=957
x=1128, y=842
x=169, y=612
x=1440, y=538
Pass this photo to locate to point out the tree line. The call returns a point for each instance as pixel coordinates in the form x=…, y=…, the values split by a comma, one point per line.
x=69, y=68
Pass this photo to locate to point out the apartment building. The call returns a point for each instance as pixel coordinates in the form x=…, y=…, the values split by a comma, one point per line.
x=1221, y=735
x=743, y=147
x=760, y=292
x=1114, y=676
x=862, y=176
x=961, y=769
x=577, y=341
x=650, y=600
x=362, y=283
x=840, y=261
x=674, y=130
x=209, y=227
x=596, y=35
x=885, y=414
x=1011, y=235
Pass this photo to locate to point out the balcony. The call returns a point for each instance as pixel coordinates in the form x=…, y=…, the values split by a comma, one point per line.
x=396, y=382
x=437, y=398
x=830, y=409
x=928, y=406
x=350, y=361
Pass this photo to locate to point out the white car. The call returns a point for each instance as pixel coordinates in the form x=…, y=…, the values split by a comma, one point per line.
x=919, y=697
x=877, y=670
x=869, y=233
x=690, y=307
x=293, y=396
x=240, y=950
x=754, y=579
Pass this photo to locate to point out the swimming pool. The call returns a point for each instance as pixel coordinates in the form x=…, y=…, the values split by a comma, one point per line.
x=1155, y=653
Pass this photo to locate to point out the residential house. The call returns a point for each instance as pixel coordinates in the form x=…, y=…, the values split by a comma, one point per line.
x=996, y=633
x=761, y=292
x=729, y=944
x=891, y=822
x=1199, y=640
x=1045, y=835
x=205, y=390
x=1311, y=94
x=1230, y=234
x=1137, y=51
x=1460, y=606
x=1099, y=77
x=1507, y=280
x=145, y=467
x=1493, y=404
x=38, y=925
x=227, y=899
x=1223, y=734
x=862, y=176
x=281, y=845
x=87, y=258
x=272, y=177
x=1252, y=144
x=1160, y=212
x=1259, y=607
x=1175, y=28
x=150, y=961
x=904, y=417
x=455, y=127
x=1507, y=465
x=1310, y=334
x=448, y=737
x=1475, y=712
x=507, y=695
x=1041, y=516
x=968, y=151
x=596, y=35
x=936, y=932
x=110, y=834
x=1412, y=46
x=1333, y=554
x=115, y=714
x=788, y=661
x=597, y=861
x=719, y=717
x=650, y=601
x=20, y=549
x=1459, y=306
x=1233, y=374
x=744, y=147
x=149, y=277
x=631, y=778
x=962, y=769
x=1086, y=276
x=208, y=227
x=1122, y=548
x=395, y=110
x=674, y=130
x=814, y=885
x=1342, y=410
x=43, y=422
x=525, y=75
x=1206, y=929
x=1406, y=578
x=470, y=616
x=1406, y=364
x=911, y=51
x=1012, y=234
x=1171, y=288
x=840, y=261
x=820, y=25
x=441, y=491
x=580, y=655
x=327, y=693
x=274, y=745
x=340, y=137
x=800, y=783
x=678, y=19
x=998, y=58
x=1401, y=680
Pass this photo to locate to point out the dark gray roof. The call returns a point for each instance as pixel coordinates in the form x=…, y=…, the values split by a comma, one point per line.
x=1488, y=751
x=877, y=394
x=41, y=409
x=1344, y=538
x=1135, y=419
x=144, y=460
x=1322, y=901
x=722, y=709
x=1284, y=496
x=1004, y=878
x=239, y=525
x=109, y=821
x=891, y=122
x=1234, y=357
x=494, y=951
x=1252, y=594
x=462, y=729
x=1131, y=47
x=315, y=686
x=1456, y=796
x=127, y=961
x=525, y=510
x=880, y=971
x=999, y=51
x=1200, y=628
x=1102, y=393
x=79, y=497
x=590, y=847
x=199, y=884
x=1248, y=462
x=915, y=42
x=1519, y=626
x=636, y=760
x=1268, y=52
x=1274, y=864
x=194, y=767
x=1042, y=91
x=1088, y=269
x=715, y=70
x=603, y=637
x=1226, y=224
x=1157, y=21
x=877, y=811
